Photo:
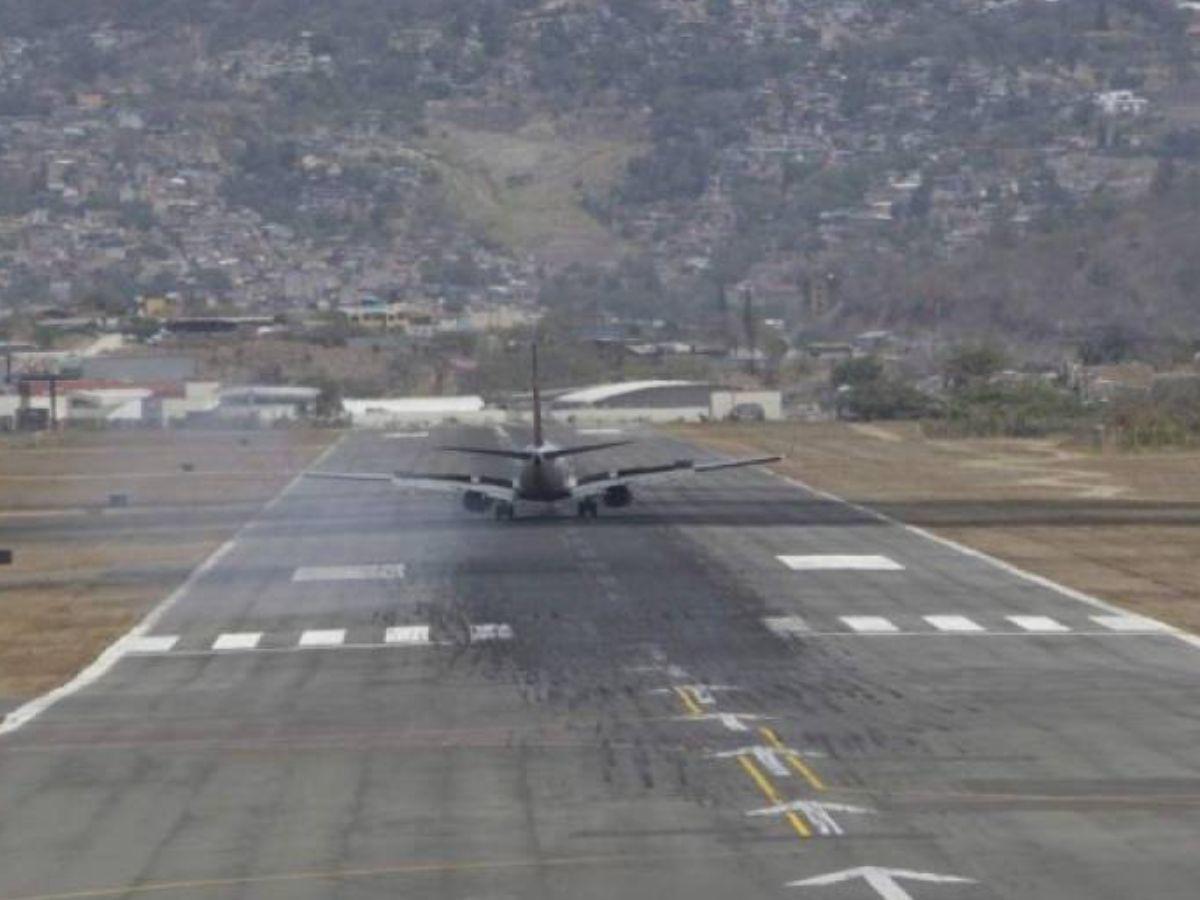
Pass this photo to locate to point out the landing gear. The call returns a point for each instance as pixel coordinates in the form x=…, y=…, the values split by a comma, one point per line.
x=504, y=510
x=589, y=509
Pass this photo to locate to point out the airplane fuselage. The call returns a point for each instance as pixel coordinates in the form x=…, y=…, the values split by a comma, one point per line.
x=542, y=480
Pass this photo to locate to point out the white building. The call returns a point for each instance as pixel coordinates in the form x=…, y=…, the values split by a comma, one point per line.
x=1121, y=103
x=418, y=412
x=108, y=406
x=266, y=403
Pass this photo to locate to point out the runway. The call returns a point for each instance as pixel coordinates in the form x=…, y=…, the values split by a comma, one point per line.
x=733, y=688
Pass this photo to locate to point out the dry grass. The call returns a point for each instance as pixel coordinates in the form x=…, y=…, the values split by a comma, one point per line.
x=522, y=186
x=72, y=588
x=81, y=469
x=1125, y=527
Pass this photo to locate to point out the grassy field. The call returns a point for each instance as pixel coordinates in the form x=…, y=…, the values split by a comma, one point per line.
x=80, y=576
x=1124, y=527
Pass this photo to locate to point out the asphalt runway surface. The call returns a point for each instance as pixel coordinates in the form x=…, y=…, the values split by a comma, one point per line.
x=734, y=688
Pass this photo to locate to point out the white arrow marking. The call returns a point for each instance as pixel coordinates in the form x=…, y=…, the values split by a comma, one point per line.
x=817, y=813
x=882, y=880
x=701, y=692
x=732, y=721
x=673, y=671
x=767, y=756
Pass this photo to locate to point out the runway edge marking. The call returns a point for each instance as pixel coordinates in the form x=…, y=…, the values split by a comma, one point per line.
x=1040, y=580
x=100, y=666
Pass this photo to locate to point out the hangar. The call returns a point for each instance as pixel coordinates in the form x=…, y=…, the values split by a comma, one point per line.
x=663, y=401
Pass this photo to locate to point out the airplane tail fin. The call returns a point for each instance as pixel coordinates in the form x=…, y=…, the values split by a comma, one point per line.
x=537, y=398
x=536, y=451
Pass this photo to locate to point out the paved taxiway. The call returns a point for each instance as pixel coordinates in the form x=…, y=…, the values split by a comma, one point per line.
x=562, y=708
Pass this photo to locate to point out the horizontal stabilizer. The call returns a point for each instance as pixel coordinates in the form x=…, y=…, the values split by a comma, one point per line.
x=490, y=451
x=582, y=448
x=550, y=453
x=350, y=476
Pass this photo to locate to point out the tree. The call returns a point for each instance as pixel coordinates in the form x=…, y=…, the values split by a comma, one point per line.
x=857, y=371
x=972, y=363
x=328, y=404
x=1112, y=344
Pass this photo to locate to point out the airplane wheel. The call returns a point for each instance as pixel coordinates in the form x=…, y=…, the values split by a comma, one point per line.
x=588, y=509
x=504, y=511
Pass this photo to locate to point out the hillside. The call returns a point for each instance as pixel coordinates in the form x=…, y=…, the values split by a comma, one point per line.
x=1020, y=165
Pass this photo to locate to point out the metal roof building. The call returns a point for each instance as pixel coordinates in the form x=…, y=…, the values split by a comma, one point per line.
x=656, y=394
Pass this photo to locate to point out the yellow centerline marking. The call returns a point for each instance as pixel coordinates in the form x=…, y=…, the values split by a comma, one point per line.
x=805, y=770
x=689, y=701
x=798, y=824
x=793, y=759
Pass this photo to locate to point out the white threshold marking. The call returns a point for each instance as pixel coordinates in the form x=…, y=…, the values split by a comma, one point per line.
x=1131, y=623
x=237, y=640
x=870, y=624
x=1043, y=624
x=400, y=435
x=786, y=626
x=158, y=643
x=374, y=572
x=1192, y=640
x=328, y=637
x=953, y=623
x=835, y=562
x=596, y=431
x=412, y=635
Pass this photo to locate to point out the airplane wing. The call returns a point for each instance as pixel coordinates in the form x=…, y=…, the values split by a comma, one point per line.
x=736, y=463
x=598, y=483
x=496, y=488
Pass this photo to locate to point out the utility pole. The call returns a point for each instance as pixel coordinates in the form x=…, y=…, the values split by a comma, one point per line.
x=53, y=379
x=748, y=325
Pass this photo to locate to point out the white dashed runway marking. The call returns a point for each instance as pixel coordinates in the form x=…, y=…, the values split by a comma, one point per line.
x=491, y=632
x=317, y=638
x=407, y=634
x=378, y=572
x=871, y=624
x=242, y=640
x=787, y=625
x=332, y=637
x=953, y=623
x=1038, y=624
x=1130, y=623
x=836, y=562
x=946, y=624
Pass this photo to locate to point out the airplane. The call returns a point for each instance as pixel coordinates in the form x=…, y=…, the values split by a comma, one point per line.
x=544, y=475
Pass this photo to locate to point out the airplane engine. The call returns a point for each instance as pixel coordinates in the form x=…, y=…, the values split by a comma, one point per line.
x=474, y=501
x=618, y=495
